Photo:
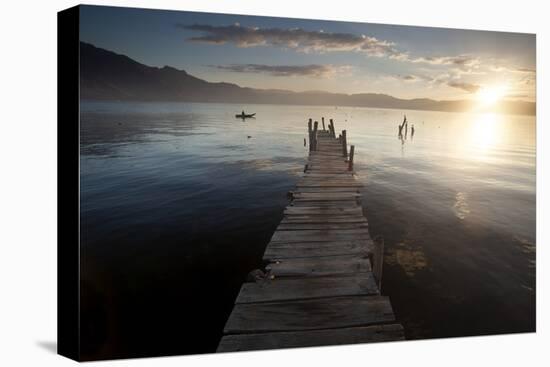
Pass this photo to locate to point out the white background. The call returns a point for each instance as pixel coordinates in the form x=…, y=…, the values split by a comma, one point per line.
x=28, y=182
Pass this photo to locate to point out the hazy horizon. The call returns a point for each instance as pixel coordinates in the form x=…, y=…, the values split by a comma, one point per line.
x=313, y=55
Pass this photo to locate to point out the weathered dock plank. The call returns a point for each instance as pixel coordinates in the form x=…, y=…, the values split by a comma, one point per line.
x=308, y=288
x=320, y=235
x=322, y=219
x=314, y=338
x=327, y=204
x=277, y=251
x=313, y=210
x=318, y=226
x=319, y=287
x=316, y=196
x=319, y=266
x=322, y=313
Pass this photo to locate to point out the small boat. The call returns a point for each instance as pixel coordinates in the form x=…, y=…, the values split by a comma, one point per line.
x=245, y=115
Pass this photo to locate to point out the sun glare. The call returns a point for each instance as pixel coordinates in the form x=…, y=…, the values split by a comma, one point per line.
x=490, y=95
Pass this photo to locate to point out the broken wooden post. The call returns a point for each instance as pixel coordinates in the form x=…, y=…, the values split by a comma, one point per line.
x=378, y=260
x=310, y=132
x=344, y=144
x=323, y=121
x=315, y=126
x=350, y=160
x=256, y=276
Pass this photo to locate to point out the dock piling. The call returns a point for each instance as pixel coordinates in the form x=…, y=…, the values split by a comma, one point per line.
x=378, y=259
x=315, y=127
x=351, y=154
x=310, y=133
x=344, y=144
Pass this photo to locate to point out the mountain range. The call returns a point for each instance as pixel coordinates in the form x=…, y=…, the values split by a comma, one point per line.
x=105, y=75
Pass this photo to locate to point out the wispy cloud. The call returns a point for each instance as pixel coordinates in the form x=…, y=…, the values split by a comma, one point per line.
x=450, y=80
x=313, y=70
x=465, y=61
x=517, y=70
x=318, y=41
x=421, y=77
x=408, y=78
x=293, y=38
x=525, y=70
x=468, y=87
x=517, y=95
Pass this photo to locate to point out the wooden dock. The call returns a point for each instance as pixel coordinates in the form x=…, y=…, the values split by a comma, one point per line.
x=321, y=284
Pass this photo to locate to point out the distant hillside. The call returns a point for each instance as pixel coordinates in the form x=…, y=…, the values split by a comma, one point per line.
x=105, y=75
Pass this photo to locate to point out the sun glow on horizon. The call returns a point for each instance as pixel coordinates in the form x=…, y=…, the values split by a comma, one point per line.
x=489, y=96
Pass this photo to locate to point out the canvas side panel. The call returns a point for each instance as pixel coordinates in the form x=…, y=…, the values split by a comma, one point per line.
x=68, y=240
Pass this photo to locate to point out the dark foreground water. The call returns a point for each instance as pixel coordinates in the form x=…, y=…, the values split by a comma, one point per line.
x=178, y=202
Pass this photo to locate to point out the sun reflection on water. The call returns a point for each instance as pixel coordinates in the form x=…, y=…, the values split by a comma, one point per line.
x=485, y=132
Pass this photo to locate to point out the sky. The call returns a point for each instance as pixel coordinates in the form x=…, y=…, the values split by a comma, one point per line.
x=340, y=57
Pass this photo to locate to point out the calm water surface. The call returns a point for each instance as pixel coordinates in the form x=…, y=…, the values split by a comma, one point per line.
x=178, y=202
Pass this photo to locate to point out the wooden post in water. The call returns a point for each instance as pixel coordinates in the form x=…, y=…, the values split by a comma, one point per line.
x=344, y=144
x=350, y=160
x=323, y=121
x=330, y=128
x=315, y=126
x=333, y=128
x=378, y=259
x=310, y=133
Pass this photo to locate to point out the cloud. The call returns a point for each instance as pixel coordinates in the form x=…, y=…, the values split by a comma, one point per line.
x=302, y=40
x=525, y=70
x=450, y=80
x=517, y=95
x=517, y=70
x=293, y=38
x=313, y=70
x=421, y=77
x=462, y=64
x=468, y=87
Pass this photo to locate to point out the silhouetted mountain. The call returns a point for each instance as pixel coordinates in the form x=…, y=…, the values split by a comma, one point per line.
x=105, y=75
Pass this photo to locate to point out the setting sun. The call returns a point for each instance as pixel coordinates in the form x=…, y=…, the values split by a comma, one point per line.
x=491, y=95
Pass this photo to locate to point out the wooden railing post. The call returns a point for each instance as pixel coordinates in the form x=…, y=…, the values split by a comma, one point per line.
x=315, y=126
x=350, y=160
x=333, y=130
x=378, y=260
x=323, y=121
x=310, y=133
x=344, y=144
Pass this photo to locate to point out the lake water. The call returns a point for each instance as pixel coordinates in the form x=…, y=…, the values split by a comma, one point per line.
x=178, y=202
